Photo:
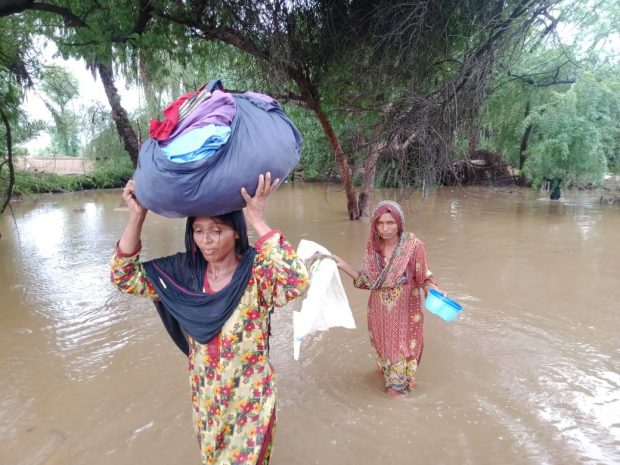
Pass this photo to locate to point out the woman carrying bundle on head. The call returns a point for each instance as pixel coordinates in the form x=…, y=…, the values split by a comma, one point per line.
x=215, y=299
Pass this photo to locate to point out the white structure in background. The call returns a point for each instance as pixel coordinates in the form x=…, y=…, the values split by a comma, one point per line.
x=56, y=165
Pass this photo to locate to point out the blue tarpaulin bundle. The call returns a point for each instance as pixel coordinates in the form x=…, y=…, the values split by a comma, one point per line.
x=262, y=139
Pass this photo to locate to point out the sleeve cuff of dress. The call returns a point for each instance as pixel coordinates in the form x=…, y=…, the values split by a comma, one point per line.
x=121, y=254
x=266, y=237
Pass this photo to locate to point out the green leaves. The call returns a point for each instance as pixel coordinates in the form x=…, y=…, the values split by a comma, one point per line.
x=574, y=132
x=556, y=101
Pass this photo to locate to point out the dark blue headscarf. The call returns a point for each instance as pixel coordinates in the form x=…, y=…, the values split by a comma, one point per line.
x=178, y=279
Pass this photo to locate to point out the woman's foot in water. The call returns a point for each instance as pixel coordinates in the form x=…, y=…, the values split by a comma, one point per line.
x=394, y=393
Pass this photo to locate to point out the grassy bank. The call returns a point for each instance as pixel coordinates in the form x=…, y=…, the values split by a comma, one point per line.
x=102, y=177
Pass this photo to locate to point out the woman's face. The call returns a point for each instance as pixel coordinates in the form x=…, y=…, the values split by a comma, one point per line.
x=215, y=240
x=386, y=227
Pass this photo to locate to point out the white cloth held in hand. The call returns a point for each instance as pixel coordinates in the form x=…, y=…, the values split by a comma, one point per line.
x=325, y=304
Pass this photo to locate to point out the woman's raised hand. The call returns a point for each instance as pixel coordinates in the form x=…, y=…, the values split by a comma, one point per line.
x=130, y=238
x=129, y=196
x=256, y=206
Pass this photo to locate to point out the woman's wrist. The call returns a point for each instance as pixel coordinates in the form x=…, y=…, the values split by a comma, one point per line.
x=352, y=272
x=131, y=235
x=138, y=217
x=261, y=228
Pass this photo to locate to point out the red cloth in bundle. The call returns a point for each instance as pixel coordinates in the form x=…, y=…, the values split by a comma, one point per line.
x=161, y=130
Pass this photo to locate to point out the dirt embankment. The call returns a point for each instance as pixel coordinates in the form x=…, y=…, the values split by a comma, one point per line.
x=610, y=192
x=612, y=183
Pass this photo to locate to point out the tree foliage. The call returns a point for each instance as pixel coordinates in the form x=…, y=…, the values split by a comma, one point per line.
x=575, y=131
x=554, y=109
x=59, y=89
x=17, y=67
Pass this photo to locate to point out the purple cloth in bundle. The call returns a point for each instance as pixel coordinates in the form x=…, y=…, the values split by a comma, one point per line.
x=219, y=109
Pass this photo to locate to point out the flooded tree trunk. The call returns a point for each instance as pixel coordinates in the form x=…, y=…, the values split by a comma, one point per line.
x=9, y=161
x=119, y=114
x=341, y=160
x=368, y=179
x=474, y=134
x=525, y=138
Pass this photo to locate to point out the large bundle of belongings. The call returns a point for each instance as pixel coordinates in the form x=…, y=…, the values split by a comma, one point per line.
x=210, y=144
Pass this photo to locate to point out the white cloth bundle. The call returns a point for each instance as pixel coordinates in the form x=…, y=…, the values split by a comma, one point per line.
x=325, y=304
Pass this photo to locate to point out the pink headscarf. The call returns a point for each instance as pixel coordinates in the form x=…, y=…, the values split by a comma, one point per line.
x=386, y=206
x=394, y=272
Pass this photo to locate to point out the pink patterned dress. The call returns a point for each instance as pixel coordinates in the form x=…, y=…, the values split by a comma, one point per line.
x=395, y=315
x=232, y=382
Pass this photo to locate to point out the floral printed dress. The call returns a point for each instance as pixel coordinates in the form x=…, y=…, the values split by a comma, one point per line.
x=232, y=381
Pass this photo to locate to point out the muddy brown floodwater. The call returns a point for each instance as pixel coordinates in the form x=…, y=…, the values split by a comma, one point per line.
x=528, y=374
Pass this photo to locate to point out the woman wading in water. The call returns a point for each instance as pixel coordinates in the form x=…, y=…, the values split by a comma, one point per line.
x=396, y=272
x=214, y=300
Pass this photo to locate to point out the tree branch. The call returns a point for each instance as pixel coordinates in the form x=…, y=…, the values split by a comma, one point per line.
x=18, y=6
x=144, y=16
x=9, y=146
x=529, y=80
x=10, y=7
x=207, y=29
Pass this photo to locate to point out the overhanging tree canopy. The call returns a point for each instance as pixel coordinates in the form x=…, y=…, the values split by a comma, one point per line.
x=411, y=74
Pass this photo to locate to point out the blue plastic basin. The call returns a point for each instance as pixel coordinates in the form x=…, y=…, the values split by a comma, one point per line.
x=442, y=306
